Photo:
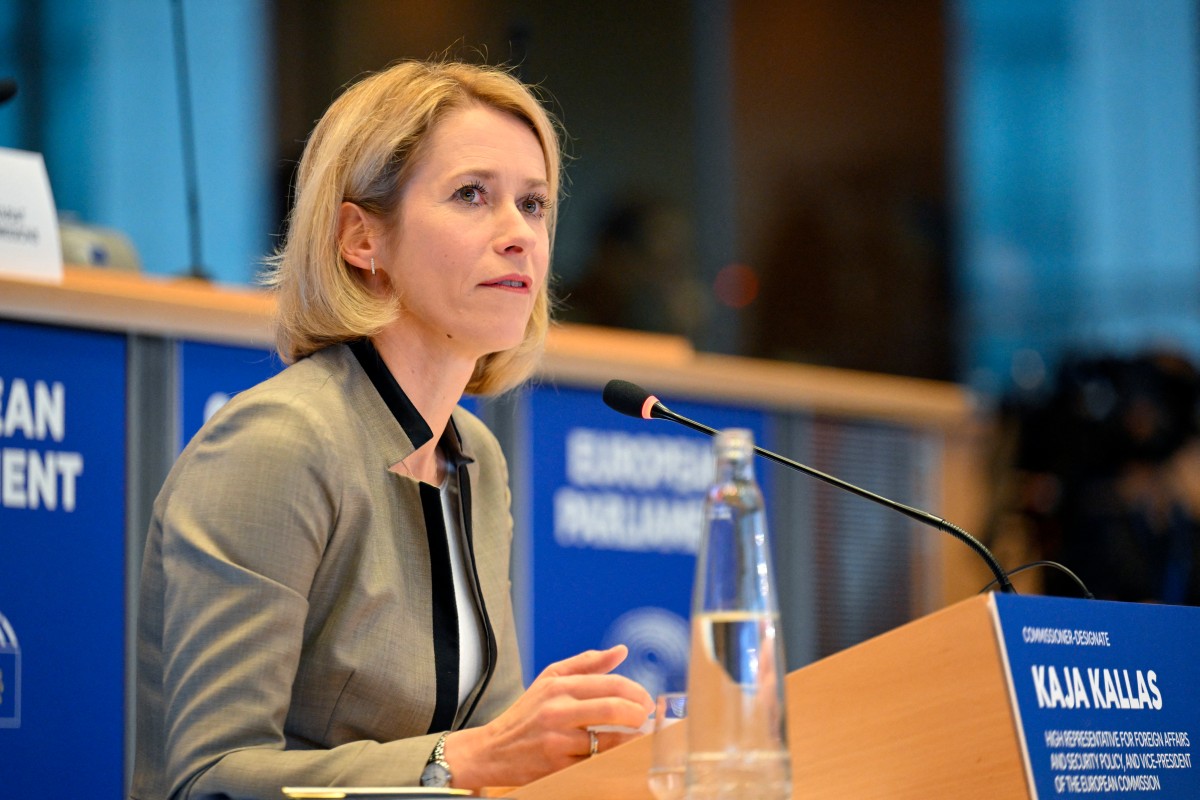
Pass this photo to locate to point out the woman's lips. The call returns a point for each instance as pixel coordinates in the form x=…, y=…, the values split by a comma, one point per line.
x=512, y=283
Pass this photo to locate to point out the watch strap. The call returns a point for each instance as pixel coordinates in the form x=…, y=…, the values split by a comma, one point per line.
x=438, y=750
x=437, y=771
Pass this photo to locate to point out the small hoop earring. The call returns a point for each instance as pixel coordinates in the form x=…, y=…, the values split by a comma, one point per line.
x=372, y=265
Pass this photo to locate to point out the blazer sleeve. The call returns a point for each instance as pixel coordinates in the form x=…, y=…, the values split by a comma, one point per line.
x=244, y=526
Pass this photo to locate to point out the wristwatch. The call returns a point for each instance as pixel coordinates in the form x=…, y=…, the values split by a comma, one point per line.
x=437, y=771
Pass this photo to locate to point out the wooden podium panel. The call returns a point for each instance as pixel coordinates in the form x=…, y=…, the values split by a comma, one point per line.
x=922, y=711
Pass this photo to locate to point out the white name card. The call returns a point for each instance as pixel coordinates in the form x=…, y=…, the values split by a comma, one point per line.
x=29, y=245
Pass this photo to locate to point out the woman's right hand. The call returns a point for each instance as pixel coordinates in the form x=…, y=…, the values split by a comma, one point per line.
x=546, y=729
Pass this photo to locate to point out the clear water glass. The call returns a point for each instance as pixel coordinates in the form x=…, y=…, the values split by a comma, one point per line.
x=668, y=759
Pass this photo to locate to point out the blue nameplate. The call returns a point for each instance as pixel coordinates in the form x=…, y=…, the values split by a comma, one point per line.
x=1106, y=695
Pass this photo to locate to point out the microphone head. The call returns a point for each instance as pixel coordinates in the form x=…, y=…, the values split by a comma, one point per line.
x=8, y=89
x=629, y=399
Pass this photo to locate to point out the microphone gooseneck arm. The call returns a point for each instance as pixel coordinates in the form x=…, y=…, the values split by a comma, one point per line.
x=631, y=400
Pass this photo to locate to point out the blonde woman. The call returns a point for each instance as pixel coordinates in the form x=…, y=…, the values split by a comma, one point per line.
x=325, y=595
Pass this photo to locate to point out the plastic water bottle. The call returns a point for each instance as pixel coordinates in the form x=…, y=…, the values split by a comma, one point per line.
x=737, y=731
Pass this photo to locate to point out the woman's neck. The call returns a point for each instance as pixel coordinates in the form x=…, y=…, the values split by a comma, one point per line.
x=434, y=382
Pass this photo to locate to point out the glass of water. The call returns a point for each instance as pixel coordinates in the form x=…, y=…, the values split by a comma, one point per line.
x=668, y=758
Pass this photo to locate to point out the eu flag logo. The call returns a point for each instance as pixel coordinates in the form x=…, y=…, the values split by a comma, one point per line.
x=10, y=676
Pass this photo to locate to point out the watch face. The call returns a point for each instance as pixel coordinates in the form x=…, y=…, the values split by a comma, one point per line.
x=435, y=774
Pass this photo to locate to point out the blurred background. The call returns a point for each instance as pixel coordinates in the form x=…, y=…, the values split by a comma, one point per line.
x=1000, y=193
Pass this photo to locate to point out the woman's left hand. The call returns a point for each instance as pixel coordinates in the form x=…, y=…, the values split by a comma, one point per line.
x=547, y=728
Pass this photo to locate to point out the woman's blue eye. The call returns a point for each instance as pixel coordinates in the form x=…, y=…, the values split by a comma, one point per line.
x=535, y=205
x=471, y=193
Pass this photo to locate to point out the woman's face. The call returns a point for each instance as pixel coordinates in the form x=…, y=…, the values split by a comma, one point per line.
x=470, y=249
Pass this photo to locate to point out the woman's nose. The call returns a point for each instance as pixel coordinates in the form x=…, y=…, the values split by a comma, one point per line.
x=515, y=233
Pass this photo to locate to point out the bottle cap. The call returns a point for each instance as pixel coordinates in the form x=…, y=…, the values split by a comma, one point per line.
x=734, y=443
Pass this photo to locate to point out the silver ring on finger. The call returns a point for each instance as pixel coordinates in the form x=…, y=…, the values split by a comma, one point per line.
x=593, y=743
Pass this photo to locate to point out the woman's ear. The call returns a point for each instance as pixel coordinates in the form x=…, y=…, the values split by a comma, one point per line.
x=356, y=236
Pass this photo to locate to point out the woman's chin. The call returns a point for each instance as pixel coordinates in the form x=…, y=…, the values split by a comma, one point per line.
x=502, y=337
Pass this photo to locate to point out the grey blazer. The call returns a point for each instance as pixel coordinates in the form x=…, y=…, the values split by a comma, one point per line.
x=293, y=627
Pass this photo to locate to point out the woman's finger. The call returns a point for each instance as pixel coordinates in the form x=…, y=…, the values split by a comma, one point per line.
x=592, y=712
x=589, y=662
x=605, y=741
x=613, y=739
x=583, y=687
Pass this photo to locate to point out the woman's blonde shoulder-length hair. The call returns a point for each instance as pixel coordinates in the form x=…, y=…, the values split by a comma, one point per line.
x=363, y=150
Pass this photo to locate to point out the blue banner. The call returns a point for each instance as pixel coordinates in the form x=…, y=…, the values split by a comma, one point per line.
x=617, y=514
x=62, y=562
x=209, y=374
x=1107, y=695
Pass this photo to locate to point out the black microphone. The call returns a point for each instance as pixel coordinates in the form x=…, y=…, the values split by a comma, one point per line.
x=8, y=90
x=634, y=401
